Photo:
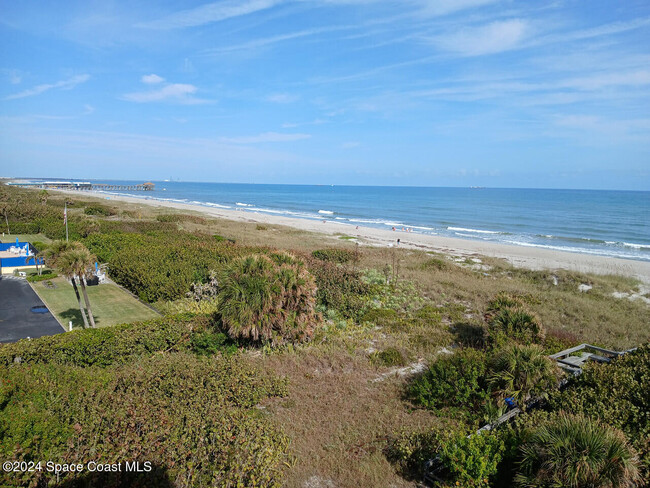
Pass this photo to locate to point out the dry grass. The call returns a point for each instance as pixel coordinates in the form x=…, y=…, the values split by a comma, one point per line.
x=338, y=419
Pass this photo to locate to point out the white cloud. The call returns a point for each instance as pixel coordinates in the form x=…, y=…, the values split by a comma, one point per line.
x=265, y=137
x=208, y=13
x=486, y=39
x=88, y=109
x=177, y=92
x=68, y=84
x=152, y=79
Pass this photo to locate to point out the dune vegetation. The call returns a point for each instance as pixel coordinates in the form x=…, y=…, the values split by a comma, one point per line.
x=284, y=358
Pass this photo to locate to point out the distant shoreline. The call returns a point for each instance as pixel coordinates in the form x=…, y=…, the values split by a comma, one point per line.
x=521, y=256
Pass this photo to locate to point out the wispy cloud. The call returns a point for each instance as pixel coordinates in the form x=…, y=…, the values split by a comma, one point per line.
x=267, y=41
x=444, y=7
x=598, y=125
x=485, y=39
x=350, y=145
x=61, y=85
x=282, y=98
x=209, y=13
x=599, y=31
x=171, y=92
x=13, y=75
x=265, y=137
x=152, y=79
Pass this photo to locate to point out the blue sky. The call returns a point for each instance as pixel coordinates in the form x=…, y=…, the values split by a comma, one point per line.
x=550, y=94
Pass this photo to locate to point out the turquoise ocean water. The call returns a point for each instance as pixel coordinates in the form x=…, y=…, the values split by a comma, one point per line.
x=607, y=223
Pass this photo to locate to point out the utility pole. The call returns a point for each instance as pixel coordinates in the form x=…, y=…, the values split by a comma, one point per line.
x=65, y=219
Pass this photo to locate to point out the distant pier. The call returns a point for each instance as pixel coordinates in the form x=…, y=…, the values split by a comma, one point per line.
x=83, y=185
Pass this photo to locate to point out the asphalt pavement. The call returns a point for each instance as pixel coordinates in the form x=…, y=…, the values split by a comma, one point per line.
x=17, y=320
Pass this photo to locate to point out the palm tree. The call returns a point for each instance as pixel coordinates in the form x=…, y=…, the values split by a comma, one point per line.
x=267, y=299
x=78, y=261
x=522, y=371
x=576, y=452
x=51, y=255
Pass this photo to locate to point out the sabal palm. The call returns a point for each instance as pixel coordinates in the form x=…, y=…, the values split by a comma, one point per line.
x=577, y=452
x=521, y=372
x=66, y=257
x=267, y=299
x=78, y=261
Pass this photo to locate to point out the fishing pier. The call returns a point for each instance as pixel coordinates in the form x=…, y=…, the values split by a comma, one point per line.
x=84, y=185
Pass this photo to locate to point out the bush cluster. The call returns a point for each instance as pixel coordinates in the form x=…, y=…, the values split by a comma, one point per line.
x=339, y=288
x=616, y=394
x=105, y=346
x=599, y=423
x=161, y=265
x=98, y=209
x=267, y=299
x=335, y=255
x=457, y=381
x=45, y=276
x=192, y=418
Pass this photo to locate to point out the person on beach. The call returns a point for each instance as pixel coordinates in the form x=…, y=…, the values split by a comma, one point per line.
x=393, y=229
x=398, y=242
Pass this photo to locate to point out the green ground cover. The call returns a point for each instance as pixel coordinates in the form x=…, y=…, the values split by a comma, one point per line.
x=110, y=304
x=25, y=238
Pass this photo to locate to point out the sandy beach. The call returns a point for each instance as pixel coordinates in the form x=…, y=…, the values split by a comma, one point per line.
x=521, y=256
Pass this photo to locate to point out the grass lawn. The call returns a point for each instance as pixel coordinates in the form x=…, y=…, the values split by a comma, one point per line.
x=110, y=304
x=25, y=238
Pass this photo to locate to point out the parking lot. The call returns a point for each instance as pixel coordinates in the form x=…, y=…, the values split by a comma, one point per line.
x=22, y=312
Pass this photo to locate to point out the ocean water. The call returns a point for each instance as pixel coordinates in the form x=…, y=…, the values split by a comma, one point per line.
x=607, y=223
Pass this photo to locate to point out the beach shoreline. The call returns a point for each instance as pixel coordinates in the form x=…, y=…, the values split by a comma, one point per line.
x=529, y=257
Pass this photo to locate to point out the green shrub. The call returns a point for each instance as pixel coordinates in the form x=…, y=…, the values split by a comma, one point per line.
x=372, y=276
x=435, y=263
x=522, y=372
x=430, y=314
x=515, y=325
x=268, y=299
x=457, y=381
x=42, y=277
x=472, y=461
x=388, y=357
x=576, y=452
x=208, y=343
x=504, y=300
x=161, y=265
x=38, y=245
x=461, y=460
x=104, y=346
x=380, y=316
x=191, y=417
x=169, y=218
x=335, y=255
x=339, y=288
x=410, y=450
x=616, y=394
x=97, y=209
